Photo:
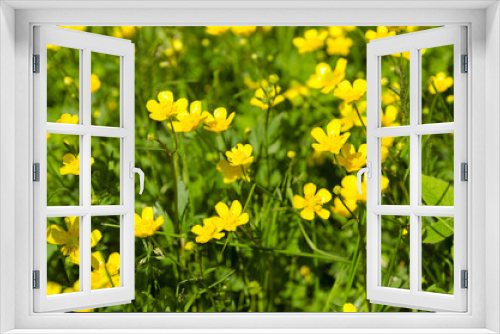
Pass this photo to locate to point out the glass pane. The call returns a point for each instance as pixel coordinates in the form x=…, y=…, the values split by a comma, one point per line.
x=437, y=254
x=395, y=167
x=63, y=255
x=105, y=89
x=63, y=84
x=105, y=260
x=437, y=84
x=105, y=171
x=395, y=89
x=437, y=169
x=395, y=257
x=63, y=170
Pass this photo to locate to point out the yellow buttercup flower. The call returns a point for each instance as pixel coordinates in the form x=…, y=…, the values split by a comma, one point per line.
x=95, y=83
x=146, y=225
x=53, y=288
x=68, y=119
x=74, y=288
x=267, y=94
x=250, y=83
x=441, y=82
x=312, y=202
x=216, y=30
x=450, y=99
x=296, y=93
x=219, y=121
x=105, y=274
x=326, y=79
x=332, y=140
x=339, y=46
x=336, y=31
x=71, y=164
x=240, y=155
x=382, y=32
x=124, y=32
x=166, y=107
x=349, y=188
x=231, y=218
x=189, y=121
x=291, y=154
x=341, y=209
x=311, y=41
x=351, y=93
x=232, y=173
x=350, y=159
x=70, y=238
x=348, y=307
x=350, y=116
x=67, y=81
x=243, y=30
x=390, y=116
x=211, y=229
x=189, y=246
x=384, y=151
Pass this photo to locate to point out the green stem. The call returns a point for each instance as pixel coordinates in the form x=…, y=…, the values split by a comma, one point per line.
x=359, y=115
x=228, y=148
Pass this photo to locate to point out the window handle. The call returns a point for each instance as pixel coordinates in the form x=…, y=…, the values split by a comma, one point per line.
x=134, y=170
x=368, y=171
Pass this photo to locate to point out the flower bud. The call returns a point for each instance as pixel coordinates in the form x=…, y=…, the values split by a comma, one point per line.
x=336, y=190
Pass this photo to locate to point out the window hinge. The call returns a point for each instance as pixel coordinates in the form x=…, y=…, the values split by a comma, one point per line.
x=465, y=279
x=465, y=64
x=36, y=172
x=36, y=279
x=464, y=171
x=36, y=63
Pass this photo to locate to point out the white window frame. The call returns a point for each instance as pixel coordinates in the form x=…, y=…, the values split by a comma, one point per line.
x=85, y=43
x=414, y=297
x=484, y=103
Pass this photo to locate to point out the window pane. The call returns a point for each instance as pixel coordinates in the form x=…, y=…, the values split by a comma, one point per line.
x=63, y=255
x=63, y=170
x=395, y=167
x=105, y=89
x=437, y=84
x=437, y=254
x=105, y=171
x=395, y=89
x=395, y=257
x=63, y=84
x=105, y=260
x=437, y=169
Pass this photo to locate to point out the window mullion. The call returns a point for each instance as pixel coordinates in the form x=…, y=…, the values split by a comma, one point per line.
x=85, y=175
x=414, y=170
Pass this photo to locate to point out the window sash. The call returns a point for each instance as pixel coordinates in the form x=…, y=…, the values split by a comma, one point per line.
x=414, y=298
x=86, y=43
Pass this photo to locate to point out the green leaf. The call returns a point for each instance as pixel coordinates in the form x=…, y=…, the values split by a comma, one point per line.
x=183, y=198
x=438, y=231
x=436, y=191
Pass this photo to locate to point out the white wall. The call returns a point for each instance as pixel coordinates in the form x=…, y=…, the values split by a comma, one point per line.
x=7, y=165
x=492, y=164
